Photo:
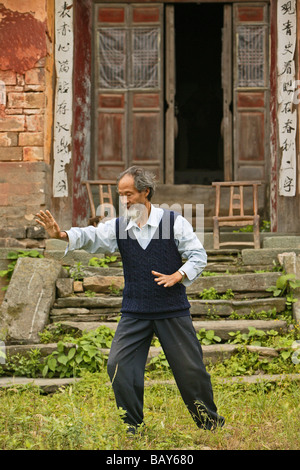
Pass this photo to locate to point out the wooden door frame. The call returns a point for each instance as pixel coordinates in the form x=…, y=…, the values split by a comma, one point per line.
x=227, y=86
x=170, y=90
x=82, y=91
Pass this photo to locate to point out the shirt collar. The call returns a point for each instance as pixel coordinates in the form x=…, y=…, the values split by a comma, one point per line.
x=153, y=220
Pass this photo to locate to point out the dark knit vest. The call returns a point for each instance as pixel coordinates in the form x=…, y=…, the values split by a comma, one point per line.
x=142, y=297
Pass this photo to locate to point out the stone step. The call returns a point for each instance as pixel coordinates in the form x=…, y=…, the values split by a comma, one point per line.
x=54, y=384
x=225, y=308
x=199, y=307
x=222, y=328
x=240, y=283
x=47, y=385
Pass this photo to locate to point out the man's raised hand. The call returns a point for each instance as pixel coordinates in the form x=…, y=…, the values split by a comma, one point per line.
x=46, y=220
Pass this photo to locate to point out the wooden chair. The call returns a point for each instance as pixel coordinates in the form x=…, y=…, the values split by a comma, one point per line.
x=105, y=199
x=236, y=202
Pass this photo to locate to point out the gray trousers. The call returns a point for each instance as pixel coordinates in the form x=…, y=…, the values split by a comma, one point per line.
x=127, y=360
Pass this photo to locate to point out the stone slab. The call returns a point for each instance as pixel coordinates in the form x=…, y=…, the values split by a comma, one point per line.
x=292, y=242
x=264, y=256
x=103, y=284
x=222, y=328
x=30, y=295
x=242, y=307
x=47, y=385
x=249, y=282
x=88, y=302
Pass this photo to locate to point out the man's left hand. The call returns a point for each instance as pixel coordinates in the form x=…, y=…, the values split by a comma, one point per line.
x=167, y=280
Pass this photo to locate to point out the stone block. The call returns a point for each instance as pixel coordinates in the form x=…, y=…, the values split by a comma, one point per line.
x=262, y=257
x=64, y=287
x=35, y=232
x=78, y=286
x=103, y=284
x=287, y=241
x=13, y=232
x=250, y=282
x=25, y=309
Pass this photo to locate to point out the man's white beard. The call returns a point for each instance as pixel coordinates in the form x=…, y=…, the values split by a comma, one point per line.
x=136, y=212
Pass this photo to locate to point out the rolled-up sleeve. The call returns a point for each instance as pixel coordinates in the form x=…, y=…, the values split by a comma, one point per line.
x=100, y=239
x=190, y=248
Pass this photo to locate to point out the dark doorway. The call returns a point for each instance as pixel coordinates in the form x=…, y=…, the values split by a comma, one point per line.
x=199, y=100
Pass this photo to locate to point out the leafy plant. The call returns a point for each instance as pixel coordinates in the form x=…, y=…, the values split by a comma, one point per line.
x=115, y=291
x=265, y=226
x=24, y=366
x=76, y=272
x=284, y=284
x=207, y=337
x=84, y=354
x=212, y=294
x=102, y=262
x=89, y=293
x=254, y=337
x=159, y=362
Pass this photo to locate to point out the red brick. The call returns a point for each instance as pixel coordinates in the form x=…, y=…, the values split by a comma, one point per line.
x=26, y=100
x=8, y=139
x=10, y=153
x=35, y=76
x=31, y=139
x=33, y=154
x=12, y=123
x=29, y=111
x=14, y=89
x=20, y=79
x=35, y=122
x=8, y=77
x=12, y=111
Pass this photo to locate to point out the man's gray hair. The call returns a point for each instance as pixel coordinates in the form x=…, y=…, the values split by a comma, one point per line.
x=143, y=179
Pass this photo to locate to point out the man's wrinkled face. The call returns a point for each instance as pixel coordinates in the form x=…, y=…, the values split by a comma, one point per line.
x=130, y=197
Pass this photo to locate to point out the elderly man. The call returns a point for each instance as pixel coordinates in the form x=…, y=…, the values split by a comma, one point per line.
x=152, y=242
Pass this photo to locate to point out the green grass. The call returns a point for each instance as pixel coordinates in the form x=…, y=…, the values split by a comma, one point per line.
x=84, y=416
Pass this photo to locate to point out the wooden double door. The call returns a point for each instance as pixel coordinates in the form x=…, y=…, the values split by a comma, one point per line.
x=139, y=75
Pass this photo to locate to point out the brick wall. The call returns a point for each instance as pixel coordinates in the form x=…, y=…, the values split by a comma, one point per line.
x=22, y=119
x=25, y=176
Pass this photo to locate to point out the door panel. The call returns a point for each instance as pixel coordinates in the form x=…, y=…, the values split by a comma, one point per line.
x=226, y=64
x=251, y=91
x=128, y=88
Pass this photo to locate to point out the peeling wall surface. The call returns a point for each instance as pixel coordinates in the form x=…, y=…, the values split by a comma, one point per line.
x=25, y=44
x=22, y=39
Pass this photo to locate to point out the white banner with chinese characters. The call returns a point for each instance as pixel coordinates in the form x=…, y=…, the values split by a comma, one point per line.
x=62, y=149
x=286, y=85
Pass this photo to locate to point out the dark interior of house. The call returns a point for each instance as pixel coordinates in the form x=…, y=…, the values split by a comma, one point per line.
x=199, y=100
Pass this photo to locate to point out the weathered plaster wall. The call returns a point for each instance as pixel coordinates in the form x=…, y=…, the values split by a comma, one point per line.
x=26, y=72
x=288, y=208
